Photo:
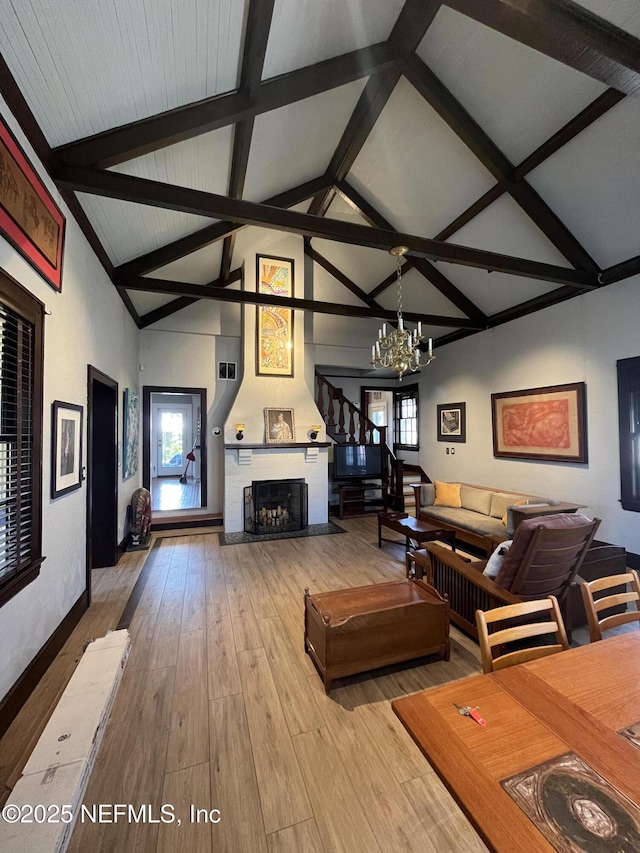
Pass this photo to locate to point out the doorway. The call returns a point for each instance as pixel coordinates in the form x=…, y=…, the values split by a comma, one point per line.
x=174, y=447
x=102, y=472
x=377, y=405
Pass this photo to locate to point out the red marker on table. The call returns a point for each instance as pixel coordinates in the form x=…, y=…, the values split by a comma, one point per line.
x=468, y=711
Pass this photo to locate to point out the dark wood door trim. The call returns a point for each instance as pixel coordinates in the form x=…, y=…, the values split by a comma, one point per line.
x=147, y=391
x=95, y=375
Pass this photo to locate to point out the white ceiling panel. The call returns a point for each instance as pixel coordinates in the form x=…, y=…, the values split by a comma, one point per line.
x=325, y=29
x=622, y=13
x=505, y=228
x=347, y=333
x=144, y=302
x=364, y=266
x=494, y=292
x=87, y=66
x=593, y=184
x=127, y=230
x=518, y=96
x=201, y=267
x=414, y=169
x=327, y=289
x=342, y=209
x=295, y=143
x=202, y=163
x=419, y=296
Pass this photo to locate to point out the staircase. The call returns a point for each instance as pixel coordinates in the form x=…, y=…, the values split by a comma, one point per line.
x=345, y=424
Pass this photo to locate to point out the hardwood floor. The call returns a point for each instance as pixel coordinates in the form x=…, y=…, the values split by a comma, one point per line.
x=220, y=708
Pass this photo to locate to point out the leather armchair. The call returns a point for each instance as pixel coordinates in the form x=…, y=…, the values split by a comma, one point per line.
x=544, y=559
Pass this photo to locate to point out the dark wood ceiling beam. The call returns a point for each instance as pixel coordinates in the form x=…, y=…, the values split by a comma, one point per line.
x=569, y=131
x=471, y=212
x=566, y=32
x=538, y=303
x=166, y=310
x=212, y=233
x=386, y=283
x=622, y=270
x=424, y=267
x=351, y=286
x=411, y=25
x=170, y=197
x=595, y=110
x=467, y=129
x=221, y=294
x=150, y=134
x=257, y=27
x=370, y=104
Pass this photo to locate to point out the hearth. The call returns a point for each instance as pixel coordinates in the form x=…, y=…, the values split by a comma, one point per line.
x=275, y=506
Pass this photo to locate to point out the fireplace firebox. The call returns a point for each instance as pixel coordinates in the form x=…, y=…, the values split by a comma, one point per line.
x=275, y=506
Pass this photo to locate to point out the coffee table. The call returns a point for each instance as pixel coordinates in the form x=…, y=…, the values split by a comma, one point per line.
x=413, y=529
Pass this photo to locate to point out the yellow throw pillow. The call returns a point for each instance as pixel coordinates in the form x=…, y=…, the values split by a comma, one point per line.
x=506, y=512
x=447, y=494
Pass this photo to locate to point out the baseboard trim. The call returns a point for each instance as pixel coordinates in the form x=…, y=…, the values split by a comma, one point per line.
x=188, y=522
x=12, y=703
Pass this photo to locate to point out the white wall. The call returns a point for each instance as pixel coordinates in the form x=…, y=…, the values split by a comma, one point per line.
x=178, y=359
x=576, y=341
x=88, y=324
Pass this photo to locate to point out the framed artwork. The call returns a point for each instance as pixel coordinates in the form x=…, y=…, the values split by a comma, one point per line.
x=29, y=217
x=541, y=423
x=279, y=426
x=452, y=422
x=274, y=327
x=66, y=448
x=130, y=433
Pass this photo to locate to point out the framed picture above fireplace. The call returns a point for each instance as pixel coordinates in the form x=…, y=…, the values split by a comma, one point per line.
x=274, y=324
x=279, y=426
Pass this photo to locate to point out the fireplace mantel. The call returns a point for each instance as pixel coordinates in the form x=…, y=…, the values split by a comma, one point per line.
x=284, y=445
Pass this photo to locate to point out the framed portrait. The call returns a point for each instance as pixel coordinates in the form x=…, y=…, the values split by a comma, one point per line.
x=66, y=448
x=279, y=426
x=452, y=422
x=29, y=217
x=274, y=326
x=130, y=433
x=541, y=423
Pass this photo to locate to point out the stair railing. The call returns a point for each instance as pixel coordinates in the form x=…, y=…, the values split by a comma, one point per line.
x=346, y=424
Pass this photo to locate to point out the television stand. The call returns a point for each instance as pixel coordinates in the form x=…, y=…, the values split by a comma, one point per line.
x=353, y=500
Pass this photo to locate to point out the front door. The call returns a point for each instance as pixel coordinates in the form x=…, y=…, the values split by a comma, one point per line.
x=173, y=439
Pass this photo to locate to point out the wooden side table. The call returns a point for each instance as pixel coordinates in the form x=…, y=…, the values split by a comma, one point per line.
x=413, y=529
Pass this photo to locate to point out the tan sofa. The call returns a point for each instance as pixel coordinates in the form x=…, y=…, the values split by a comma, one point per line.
x=487, y=516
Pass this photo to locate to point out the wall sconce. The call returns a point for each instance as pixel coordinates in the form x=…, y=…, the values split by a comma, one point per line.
x=315, y=429
x=239, y=428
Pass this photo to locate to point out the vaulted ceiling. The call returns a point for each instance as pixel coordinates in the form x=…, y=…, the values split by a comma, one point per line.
x=495, y=137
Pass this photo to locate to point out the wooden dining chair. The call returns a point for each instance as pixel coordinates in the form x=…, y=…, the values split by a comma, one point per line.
x=496, y=640
x=595, y=604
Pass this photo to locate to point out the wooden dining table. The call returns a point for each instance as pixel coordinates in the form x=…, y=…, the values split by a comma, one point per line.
x=559, y=754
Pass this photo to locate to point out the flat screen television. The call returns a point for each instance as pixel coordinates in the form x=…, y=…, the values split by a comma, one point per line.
x=357, y=461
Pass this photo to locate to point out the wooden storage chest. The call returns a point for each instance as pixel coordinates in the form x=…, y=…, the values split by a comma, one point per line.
x=352, y=630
